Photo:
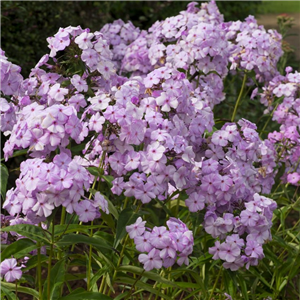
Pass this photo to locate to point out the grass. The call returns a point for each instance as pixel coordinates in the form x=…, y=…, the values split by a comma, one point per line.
x=280, y=7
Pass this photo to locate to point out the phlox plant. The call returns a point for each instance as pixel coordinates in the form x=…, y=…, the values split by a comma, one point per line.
x=141, y=175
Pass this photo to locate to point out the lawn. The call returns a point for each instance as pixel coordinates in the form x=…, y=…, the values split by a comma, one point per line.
x=280, y=7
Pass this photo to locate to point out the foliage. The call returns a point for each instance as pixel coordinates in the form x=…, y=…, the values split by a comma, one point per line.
x=158, y=164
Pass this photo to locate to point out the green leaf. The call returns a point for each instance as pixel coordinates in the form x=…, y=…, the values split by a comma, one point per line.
x=126, y=217
x=122, y=296
x=187, y=285
x=94, y=171
x=243, y=286
x=17, y=153
x=68, y=228
x=98, y=275
x=65, y=83
x=70, y=239
x=108, y=219
x=108, y=179
x=142, y=285
x=150, y=275
x=21, y=289
x=33, y=261
x=33, y=232
x=4, y=178
x=83, y=295
x=112, y=209
x=78, y=148
x=7, y=293
x=230, y=282
x=258, y=275
x=18, y=249
x=56, y=276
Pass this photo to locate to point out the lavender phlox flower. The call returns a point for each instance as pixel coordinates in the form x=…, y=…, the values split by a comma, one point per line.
x=159, y=237
x=11, y=78
x=294, y=178
x=43, y=207
x=9, y=270
x=234, y=265
x=144, y=193
x=86, y=211
x=173, y=244
x=254, y=249
x=229, y=251
x=155, y=151
x=215, y=250
x=136, y=229
x=195, y=202
x=84, y=40
x=100, y=201
x=151, y=260
x=176, y=225
x=142, y=242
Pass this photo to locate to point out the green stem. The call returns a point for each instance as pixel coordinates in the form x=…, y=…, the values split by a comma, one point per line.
x=122, y=251
x=138, y=278
x=39, y=271
x=89, y=262
x=16, y=289
x=62, y=221
x=271, y=115
x=63, y=216
x=214, y=287
x=50, y=263
x=125, y=202
x=119, y=260
x=73, y=246
x=102, y=284
x=239, y=98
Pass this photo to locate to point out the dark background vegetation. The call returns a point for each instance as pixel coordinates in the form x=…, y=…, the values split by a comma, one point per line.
x=25, y=25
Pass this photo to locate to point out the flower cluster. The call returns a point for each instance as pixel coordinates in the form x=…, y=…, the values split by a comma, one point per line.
x=8, y=116
x=152, y=130
x=195, y=41
x=43, y=186
x=11, y=78
x=283, y=93
x=94, y=52
x=119, y=35
x=236, y=166
x=165, y=120
x=42, y=129
x=163, y=247
x=253, y=48
x=244, y=230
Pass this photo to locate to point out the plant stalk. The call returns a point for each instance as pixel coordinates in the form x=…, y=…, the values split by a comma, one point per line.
x=239, y=98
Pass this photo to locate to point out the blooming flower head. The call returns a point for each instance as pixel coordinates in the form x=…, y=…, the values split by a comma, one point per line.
x=9, y=270
x=136, y=229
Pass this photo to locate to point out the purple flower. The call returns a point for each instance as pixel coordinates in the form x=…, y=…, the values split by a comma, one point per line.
x=195, y=202
x=84, y=40
x=85, y=210
x=159, y=237
x=100, y=201
x=215, y=250
x=42, y=206
x=254, y=249
x=151, y=260
x=9, y=269
x=142, y=242
x=136, y=229
x=229, y=251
